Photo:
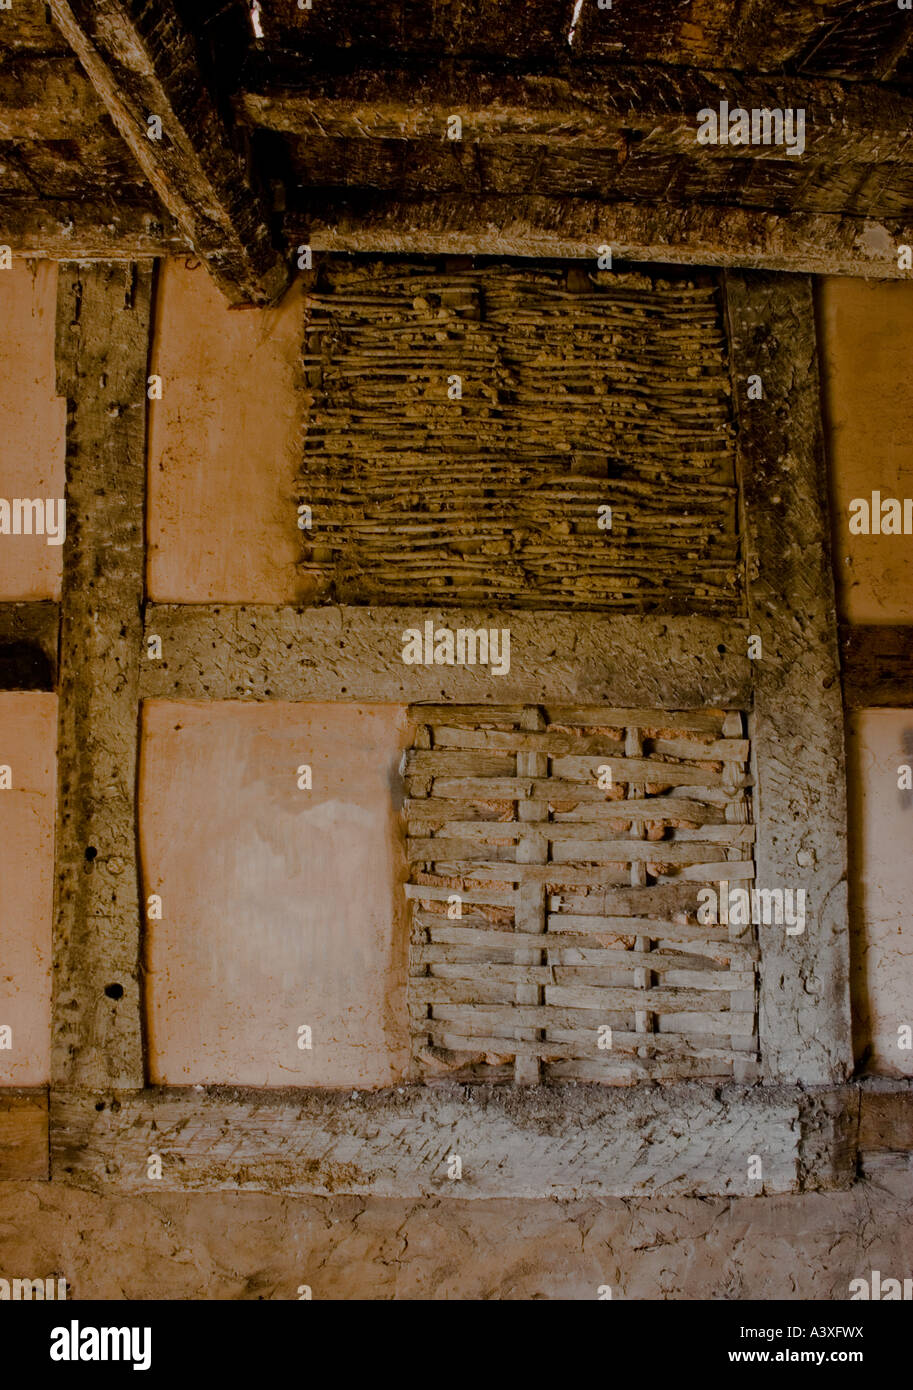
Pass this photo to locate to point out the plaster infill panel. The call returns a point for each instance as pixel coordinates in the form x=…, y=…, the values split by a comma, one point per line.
x=32, y=425
x=881, y=838
x=224, y=446
x=867, y=346
x=281, y=906
x=28, y=741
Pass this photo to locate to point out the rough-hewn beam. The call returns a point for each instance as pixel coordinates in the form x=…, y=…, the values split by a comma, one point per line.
x=46, y=98
x=695, y=234
x=555, y=1141
x=246, y=651
x=103, y=326
x=23, y=1135
x=886, y=1117
x=797, y=735
x=60, y=231
x=652, y=108
x=142, y=63
x=28, y=646
x=877, y=667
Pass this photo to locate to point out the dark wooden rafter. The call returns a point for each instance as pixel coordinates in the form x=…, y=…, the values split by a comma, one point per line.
x=649, y=107
x=142, y=62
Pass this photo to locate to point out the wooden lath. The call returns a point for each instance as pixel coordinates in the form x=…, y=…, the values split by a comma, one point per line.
x=532, y=930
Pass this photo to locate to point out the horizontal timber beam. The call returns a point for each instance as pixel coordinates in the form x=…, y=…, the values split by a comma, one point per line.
x=545, y=1141
x=28, y=646
x=885, y=1124
x=23, y=1134
x=877, y=667
x=650, y=106
x=142, y=62
x=247, y=651
x=538, y=226
x=63, y=231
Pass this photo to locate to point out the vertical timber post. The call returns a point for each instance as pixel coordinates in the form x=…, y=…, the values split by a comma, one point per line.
x=104, y=314
x=797, y=736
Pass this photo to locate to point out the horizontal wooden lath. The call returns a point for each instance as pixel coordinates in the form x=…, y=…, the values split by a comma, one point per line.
x=503, y=972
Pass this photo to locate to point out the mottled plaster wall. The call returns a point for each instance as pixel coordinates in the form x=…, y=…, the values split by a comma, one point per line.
x=28, y=739
x=279, y=903
x=244, y=1245
x=224, y=446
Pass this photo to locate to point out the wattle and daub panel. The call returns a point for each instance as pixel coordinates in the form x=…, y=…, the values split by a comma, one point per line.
x=535, y=437
x=559, y=929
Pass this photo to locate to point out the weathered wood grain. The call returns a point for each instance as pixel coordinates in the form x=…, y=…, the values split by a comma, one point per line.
x=534, y=225
x=59, y=230
x=535, y=1141
x=103, y=329
x=653, y=107
x=797, y=733
x=23, y=1135
x=247, y=651
x=886, y=1116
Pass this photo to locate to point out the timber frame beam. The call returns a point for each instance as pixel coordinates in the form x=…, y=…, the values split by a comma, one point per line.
x=574, y=228
x=142, y=62
x=643, y=109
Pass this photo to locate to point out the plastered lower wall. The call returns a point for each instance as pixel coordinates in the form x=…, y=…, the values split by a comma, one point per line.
x=28, y=739
x=279, y=904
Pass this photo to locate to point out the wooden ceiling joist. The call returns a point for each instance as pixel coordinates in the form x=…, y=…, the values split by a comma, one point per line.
x=77, y=231
x=645, y=107
x=691, y=234
x=142, y=62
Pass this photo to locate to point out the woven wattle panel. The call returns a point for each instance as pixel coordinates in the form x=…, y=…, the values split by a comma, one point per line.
x=554, y=923
x=580, y=389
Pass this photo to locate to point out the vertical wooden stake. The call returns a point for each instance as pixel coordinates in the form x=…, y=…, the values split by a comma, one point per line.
x=532, y=848
x=644, y=1020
